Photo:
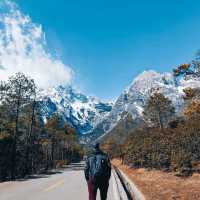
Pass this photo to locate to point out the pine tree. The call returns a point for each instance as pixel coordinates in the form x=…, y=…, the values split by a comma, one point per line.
x=64, y=143
x=54, y=128
x=17, y=92
x=158, y=110
x=192, y=102
x=183, y=69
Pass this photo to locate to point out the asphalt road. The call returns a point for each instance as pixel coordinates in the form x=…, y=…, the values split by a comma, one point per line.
x=68, y=184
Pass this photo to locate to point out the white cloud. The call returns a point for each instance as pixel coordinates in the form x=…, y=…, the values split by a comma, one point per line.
x=23, y=49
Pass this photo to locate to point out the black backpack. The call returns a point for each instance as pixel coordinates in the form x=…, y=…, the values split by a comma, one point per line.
x=101, y=168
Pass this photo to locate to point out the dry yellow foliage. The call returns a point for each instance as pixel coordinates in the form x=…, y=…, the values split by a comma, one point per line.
x=193, y=108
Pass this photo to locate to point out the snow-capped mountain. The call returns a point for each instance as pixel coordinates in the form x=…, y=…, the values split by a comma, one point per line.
x=80, y=111
x=93, y=118
x=133, y=99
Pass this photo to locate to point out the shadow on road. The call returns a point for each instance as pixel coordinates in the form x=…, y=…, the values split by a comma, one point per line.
x=75, y=167
x=47, y=174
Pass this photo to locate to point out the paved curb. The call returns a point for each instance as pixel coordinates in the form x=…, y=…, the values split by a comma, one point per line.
x=132, y=188
x=119, y=192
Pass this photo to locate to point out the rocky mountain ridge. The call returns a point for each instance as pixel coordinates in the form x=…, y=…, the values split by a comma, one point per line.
x=93, y=118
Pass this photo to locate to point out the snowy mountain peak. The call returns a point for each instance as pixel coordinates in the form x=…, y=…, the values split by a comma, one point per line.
x=151, y=79
x=90, y=115
x=81, y=111
x=133, y=99
x=146, y=75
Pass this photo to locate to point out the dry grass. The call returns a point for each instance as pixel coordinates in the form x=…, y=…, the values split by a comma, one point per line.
x=158, y=185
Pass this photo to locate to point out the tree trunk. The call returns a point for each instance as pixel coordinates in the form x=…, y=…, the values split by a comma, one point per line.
x=52, y=153
x=160, y=121
x=13, y=157
x=30, y=135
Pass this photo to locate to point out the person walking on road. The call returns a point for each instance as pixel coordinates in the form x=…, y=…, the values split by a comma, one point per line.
x=97, y=173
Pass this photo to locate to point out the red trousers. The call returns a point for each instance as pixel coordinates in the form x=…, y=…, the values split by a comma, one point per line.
x=93, y=186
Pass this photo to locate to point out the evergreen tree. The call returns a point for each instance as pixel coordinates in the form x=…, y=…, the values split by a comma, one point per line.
x=17, y=92
x=27, y=145
x=183, y=69
x=192, y=101
x=158, y=110
x=64, y=143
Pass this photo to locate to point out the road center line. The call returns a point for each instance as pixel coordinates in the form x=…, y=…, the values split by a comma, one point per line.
x=59, y=183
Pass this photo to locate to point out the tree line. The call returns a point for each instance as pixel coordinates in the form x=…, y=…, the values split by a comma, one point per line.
x=29, y=145
x=166, y=140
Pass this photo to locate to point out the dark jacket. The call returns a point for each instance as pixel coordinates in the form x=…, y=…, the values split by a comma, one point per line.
x=90, y=165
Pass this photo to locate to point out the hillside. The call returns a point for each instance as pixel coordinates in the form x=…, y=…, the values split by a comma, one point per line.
x=133, y=99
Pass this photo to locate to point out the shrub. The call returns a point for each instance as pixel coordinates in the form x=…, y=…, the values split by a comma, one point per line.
x=181, y=163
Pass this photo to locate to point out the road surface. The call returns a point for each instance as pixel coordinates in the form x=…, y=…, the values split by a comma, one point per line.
x=68, y=184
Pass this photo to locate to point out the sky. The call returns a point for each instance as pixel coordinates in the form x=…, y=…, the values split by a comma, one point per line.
x=99, y=46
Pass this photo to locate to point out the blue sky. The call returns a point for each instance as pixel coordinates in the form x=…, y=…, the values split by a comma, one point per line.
x=108, y=42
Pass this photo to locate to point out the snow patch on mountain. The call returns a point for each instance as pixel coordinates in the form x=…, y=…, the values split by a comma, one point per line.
x=81, y=111
x=93, y=117
x=133, y=98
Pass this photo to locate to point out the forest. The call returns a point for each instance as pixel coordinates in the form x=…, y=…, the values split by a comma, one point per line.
x=164, y=139
x=27, y=144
